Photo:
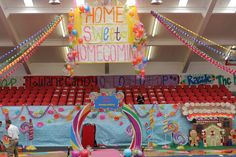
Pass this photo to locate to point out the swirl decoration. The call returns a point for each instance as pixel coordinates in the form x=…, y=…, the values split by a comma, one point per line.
x=27, y=128
x=176, y=31
x=82, y=114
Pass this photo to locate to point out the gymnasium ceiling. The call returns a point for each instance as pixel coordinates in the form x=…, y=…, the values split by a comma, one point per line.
x=213, y=19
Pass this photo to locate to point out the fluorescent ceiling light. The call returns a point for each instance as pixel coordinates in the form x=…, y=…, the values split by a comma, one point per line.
x=130, y=3
x=155, y=26
x=62, y=28
x=28, y=3
x=183, y=3
x=149, y=52
x=232, y=3
x=80, y=2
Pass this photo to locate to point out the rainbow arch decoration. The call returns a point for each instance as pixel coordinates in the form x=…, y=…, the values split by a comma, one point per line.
x=82, y=114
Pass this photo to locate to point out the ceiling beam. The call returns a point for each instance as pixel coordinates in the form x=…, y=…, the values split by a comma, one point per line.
x=201, y=28
x=24, y=10
x=11, y=32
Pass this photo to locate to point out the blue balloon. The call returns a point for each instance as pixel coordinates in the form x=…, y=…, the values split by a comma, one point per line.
x=127, y=153
x=145, y=60
x=87, y=8
x=74, y=32
x=141, y=66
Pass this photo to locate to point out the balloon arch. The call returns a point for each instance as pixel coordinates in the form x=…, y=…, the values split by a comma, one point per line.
x=82, y=114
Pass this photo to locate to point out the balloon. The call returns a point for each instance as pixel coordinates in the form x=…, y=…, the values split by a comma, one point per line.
x=142, y=72
x=70, y=27
x=80, y=41
x=131, y=12
x=145, y=60
x=141, y=66
x=81, y=8
x=71, y=14
x=84, y=153
x=74, y=53
x=75, y=153
x=140, y=153
x=87, y=8
x=70, y=56
x=74, y=32
x=127, y=153
x=68, y=67
x=134, y=62
x=139, y=58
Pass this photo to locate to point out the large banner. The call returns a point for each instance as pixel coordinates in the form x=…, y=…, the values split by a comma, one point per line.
x=105, y=36
x=101, y=81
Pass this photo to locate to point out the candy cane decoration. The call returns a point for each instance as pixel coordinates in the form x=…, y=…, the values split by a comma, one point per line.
x=31, y=130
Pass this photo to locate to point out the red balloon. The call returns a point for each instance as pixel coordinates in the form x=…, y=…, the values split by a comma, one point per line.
x=139, y=59
x=75, y=53
x=70, y=27
x=134, y=62
x=82, y=9
x=84, y=153
x=142, y=72
x=80, y=41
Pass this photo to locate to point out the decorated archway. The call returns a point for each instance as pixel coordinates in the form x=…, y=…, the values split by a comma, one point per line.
x=82, y=114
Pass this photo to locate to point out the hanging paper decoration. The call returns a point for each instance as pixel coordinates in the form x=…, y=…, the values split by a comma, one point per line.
x=189, y=38
x=103, y=38
x=27, y=48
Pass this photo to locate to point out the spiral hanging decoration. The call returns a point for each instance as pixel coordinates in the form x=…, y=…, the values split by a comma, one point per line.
x=185, y=37
x=27, y=48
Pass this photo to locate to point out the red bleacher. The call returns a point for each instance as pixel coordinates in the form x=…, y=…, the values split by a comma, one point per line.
x=13, y=96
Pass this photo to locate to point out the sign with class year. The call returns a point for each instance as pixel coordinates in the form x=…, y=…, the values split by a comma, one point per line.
x=105, y=36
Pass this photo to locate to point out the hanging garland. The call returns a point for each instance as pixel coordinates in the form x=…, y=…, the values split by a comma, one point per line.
x=192, y=47
x=145, y=115
x=5, y=112
x=22, y=55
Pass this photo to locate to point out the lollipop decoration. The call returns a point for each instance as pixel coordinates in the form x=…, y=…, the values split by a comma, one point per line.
x=28, y=128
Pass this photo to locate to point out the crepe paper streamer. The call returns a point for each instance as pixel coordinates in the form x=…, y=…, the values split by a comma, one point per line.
x=6, y=113
x=40, y=124
x=50, y=112
x=139, y=115
x=102, y=117
x=81, y=115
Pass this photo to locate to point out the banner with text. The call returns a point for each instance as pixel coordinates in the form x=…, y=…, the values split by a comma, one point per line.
x=196, y=79
x=105, y=36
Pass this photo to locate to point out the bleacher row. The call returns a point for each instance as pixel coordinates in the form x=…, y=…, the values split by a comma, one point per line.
x=13, y=96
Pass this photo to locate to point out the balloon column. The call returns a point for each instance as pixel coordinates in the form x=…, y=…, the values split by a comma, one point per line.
x=74, y=29
x=10, y=59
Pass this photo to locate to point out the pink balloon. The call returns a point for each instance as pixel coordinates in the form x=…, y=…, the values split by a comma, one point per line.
x=84, y=153
x=75, y=153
